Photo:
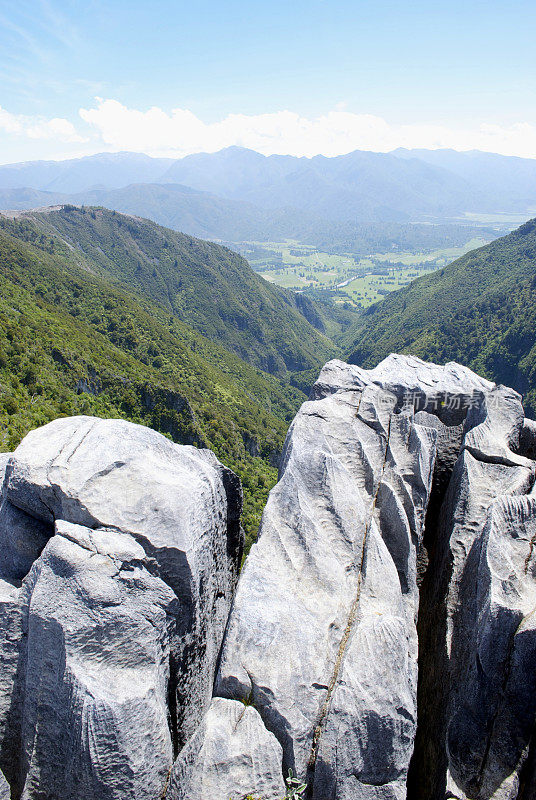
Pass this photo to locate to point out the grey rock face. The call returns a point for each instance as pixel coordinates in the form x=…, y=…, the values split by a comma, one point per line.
x=11, y=631
x=493, y=709
x=127, y=547
x=230, y=756
x=98, y=618
x=381, y=642
x=23, y=538
x=322, y=637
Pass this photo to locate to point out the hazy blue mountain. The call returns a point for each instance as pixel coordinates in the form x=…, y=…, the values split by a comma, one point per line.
x=232, y=172
x=504, y=179
x=105, y=170
x=26, y=198
x=223, y=219
x=360, y=186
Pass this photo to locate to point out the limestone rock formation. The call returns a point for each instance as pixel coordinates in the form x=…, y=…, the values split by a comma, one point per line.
x=403, y=508
x=381, y=641
x=4, y=788
x=120, y=552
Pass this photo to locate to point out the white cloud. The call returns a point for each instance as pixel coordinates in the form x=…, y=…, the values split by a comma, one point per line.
x=112, y=126
x=58, y=129
x=180, y=132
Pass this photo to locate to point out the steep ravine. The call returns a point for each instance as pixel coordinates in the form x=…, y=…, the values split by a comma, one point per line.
x=428, y=759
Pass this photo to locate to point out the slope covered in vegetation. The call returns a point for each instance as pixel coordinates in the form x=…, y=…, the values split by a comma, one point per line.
x=72, y=342
x=205, y=285
x=480, y=311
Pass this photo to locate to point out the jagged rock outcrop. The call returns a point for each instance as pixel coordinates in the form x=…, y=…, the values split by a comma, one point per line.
x=381, y=643
x=120, y=553
x=404, y=503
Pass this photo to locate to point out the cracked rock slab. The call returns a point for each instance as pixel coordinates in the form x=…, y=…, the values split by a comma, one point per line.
x=327, y=599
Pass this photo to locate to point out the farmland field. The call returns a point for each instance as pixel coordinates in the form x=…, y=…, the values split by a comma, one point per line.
x=345, y=278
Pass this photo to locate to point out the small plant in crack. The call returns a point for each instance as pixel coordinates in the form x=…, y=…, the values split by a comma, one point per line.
x=294, y=791
x=247, y=701
x=295, y=788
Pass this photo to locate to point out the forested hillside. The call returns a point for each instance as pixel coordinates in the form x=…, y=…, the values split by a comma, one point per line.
x=72, y=340
x=206, y=285
x=480, y=311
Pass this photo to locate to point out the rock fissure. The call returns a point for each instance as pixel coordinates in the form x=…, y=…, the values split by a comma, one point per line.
x=347, y=631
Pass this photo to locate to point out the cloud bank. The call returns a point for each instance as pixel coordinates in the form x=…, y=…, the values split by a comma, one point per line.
x=110, y=125
x=57, y=129
x=180, y=133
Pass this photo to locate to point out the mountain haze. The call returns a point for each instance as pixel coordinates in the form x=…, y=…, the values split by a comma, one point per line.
x=208, y=216
x=360, y=186
x=506, y=180
x=105, y=170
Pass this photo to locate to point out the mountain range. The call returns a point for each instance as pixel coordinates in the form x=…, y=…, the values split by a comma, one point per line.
x=362, y=186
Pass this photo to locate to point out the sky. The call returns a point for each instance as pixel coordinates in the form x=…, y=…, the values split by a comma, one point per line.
x=301, y=77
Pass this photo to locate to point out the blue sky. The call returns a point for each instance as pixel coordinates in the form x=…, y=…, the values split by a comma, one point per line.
x=303, y=77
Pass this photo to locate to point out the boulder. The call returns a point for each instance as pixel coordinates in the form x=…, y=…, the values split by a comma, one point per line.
x=127, y=547
x=232, y=755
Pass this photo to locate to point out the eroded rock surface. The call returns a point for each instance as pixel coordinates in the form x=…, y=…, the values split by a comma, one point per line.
x=322, y=638
x=381, y=643
x=120, y=557
x=230, y=747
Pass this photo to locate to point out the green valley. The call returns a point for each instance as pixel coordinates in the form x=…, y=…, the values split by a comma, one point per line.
x=358, y=280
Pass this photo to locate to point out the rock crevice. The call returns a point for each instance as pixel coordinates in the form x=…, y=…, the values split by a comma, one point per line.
x=389, y=481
